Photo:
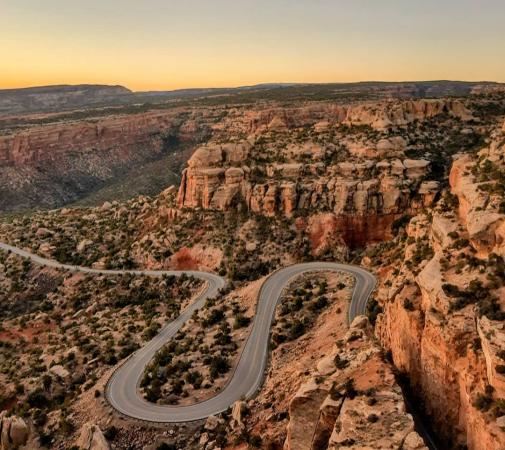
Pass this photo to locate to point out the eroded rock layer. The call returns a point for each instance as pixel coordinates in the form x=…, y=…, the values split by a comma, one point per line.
x=351, y=401
x=443, y=303
x=365, y=195
x=46, y=166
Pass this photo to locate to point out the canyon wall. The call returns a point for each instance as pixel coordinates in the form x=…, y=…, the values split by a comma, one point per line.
x=347, y=189
x=351, y=400
x=380, y=115
x=365, y=197
x=47, y=166
x=443, y=317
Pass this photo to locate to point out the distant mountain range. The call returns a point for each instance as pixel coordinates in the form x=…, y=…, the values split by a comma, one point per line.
x=70, y=97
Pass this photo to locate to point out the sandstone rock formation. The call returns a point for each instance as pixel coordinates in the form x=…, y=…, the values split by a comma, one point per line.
x=351, y=401
x=92, y=438
x=443, y=328
x=381, y=115
x=13, y=432
x=478, y=208
x=52, y=164
x=364, y=196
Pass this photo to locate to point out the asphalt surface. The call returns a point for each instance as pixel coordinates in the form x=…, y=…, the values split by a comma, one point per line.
x=122, y=389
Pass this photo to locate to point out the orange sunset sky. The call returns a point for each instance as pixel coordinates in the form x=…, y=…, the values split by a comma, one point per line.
x=165, y=44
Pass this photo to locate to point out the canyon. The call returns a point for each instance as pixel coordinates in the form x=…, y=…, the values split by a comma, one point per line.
x=365, y=184
x=51, y=160
x=410, y=188
x=50, y=165
x=447, y=342
x=352, y=400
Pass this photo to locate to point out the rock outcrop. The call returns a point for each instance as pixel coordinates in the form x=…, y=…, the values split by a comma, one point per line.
x=380, y=116
x=342, y=192
x=13, y=432
x=92, y=438
x=364, y=196
x=351, y=401
x=443, y=316
x=479, y=208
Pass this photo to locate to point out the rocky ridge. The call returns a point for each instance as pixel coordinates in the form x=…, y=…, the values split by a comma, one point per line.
x=443, y=305
x=338, y=188
x=45, y=98
x=49, y=165
x=351, y=401
x=365, y=181
x=380, y=116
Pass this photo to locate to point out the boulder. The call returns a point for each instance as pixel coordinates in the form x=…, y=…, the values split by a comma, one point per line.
x=360, y=323
x=416, y=168
x=206, y=156
x=413, y=442
x=14, y=432
x=43, y=232
x=239, y=407
x=92, y=438
x=59, y=371
x=83, y=245
x=211, y=423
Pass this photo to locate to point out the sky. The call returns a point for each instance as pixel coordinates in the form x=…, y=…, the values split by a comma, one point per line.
x=172, y=44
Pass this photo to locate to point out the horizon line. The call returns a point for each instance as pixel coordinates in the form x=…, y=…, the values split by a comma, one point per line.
x=272, y=83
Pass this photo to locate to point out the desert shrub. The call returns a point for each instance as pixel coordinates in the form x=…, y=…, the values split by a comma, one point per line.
x=422, y=252
x=402, y=222
x=194, y=378
x=483, y=402
x=241, y=321
x=297, y=328
x=219, y=365
x=319, y=303
x=349, y=389
x=255, y=441
x=500, y=368
x=373, y=309
x=372, y=418
x=110, y=433
x=39, y=417
x=151, y=331
x=340, y=363
x=408, y=305
x=38, y=399
x=215, y=316
x=165, y=446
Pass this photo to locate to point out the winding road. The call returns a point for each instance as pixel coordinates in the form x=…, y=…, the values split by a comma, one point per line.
x=122, y=390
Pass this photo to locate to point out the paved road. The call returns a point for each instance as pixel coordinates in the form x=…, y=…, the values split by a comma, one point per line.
x=122, y=389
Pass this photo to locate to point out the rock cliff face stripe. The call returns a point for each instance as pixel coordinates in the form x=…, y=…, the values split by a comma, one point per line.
x=122, y=390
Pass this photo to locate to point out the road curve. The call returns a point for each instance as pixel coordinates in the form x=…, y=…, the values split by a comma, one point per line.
x=122, y=389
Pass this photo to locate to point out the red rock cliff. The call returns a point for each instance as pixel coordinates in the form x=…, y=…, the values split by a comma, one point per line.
x=365, y=196
x=443, y=317
x=55, y=163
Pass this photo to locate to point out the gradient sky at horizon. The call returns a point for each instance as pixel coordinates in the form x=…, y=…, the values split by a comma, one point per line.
x=169, y=44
